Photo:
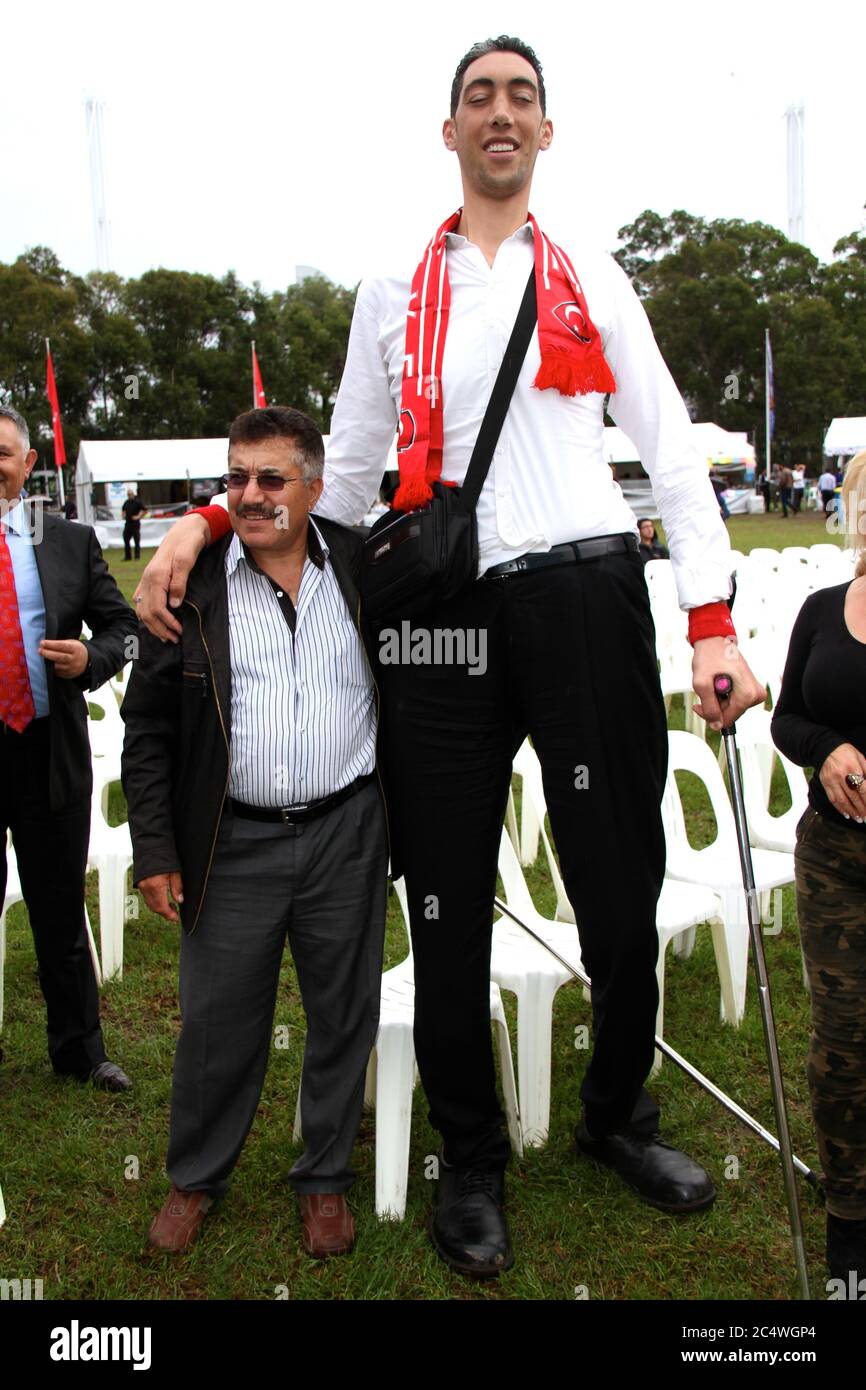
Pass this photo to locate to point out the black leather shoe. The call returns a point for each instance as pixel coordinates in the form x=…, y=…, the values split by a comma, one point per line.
x=659, y=1174
x=108, y=1076
x=468, y=1225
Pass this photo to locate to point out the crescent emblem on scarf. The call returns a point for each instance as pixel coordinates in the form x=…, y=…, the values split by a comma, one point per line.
x=405, y=431
x=572, y=317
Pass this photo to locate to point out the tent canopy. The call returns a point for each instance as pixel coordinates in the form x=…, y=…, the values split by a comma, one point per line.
x=720, y=447
x=149, y=460
x=846, y=435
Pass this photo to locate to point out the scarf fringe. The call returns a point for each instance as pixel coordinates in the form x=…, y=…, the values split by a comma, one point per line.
x=413, y=492
x=572, y=378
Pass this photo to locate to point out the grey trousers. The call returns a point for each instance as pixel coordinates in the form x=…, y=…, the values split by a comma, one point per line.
x=324, y=885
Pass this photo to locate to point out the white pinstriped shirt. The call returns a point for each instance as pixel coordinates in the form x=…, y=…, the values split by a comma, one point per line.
x=303, y=717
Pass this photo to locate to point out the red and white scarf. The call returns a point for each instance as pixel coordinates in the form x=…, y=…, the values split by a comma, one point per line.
x=572, y=358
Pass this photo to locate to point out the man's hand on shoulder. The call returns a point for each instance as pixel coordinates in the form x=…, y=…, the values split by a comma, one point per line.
x=163, y=583
x=720, y=656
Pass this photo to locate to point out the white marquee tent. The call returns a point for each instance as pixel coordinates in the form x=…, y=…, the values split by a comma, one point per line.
x=108, y=466
x=846, y=435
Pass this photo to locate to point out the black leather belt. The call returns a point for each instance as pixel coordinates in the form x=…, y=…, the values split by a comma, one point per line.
x=296, y=815
x=571, y=553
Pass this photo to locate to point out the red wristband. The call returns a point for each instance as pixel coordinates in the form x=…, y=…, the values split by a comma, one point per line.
x=711, y=620
x=217, y=519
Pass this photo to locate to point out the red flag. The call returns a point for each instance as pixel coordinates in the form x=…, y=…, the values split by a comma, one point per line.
x=57, y=427
x=258, y=389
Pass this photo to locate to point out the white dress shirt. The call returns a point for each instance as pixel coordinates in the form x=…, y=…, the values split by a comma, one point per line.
x=303, y=720
x=548, y=481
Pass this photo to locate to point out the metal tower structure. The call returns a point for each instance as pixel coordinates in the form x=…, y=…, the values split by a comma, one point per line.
x=796, y=173
x=94, y=110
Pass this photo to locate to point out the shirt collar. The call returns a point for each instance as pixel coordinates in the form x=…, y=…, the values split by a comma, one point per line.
x=18, y=520
x=317, y=550
x=456, y=239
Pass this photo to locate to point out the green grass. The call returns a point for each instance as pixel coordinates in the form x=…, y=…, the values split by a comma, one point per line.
x=78, y=1221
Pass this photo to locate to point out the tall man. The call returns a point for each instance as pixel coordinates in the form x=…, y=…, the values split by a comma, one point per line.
x=248, y=763
x=570, y=650
x=51, y=580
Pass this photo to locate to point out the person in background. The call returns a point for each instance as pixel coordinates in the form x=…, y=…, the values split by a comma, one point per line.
x=53, y=578
x=764, y=490
x=133, y=511
x=786, y=483
x=827, y=488
x=799, y=475
x=649, y=546
x=820, y=722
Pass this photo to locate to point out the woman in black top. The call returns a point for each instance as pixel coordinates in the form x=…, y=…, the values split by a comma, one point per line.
x=820, y=722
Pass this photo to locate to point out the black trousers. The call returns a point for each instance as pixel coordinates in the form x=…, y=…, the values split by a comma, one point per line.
x=51, y=848
x=131, y=536
x=570, y=660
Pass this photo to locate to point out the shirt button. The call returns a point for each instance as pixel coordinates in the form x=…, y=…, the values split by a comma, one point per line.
x=279, y=593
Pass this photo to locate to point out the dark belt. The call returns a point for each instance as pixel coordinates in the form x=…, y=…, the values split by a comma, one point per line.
x=571, y=553
x=296, y=815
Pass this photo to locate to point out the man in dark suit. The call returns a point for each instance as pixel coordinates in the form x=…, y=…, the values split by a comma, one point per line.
x=53, y=578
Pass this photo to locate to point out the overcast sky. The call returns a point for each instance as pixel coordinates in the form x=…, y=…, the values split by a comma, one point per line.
x=258, y=136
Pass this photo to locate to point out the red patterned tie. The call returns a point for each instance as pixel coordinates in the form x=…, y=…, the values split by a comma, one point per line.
x=16, y=697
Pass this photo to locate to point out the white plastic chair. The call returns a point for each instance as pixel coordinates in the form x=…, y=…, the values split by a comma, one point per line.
x=757, y=758
x=524, y=967
x=717, y=866
x=680, y=909
x=391, y=1075
x=109, y=853
x=106, y=741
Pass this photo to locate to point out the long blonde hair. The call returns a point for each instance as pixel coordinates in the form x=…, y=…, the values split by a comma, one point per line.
x=854, y=509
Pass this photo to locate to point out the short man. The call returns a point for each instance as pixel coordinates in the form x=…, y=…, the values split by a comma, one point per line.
x=827, y=488
x=786, y=483
x=570, y=651
x=650, y=547
x=133, y=511
x=53, y=578
x=799, y=475
x=248, y=764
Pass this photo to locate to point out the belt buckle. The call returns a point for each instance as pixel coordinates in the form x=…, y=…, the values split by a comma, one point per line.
x=287, y=813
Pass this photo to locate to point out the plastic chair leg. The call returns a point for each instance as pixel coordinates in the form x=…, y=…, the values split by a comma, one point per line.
x=506, y=1075
x=684, y=943
x=94, y=954
x=534, y=1028
x=112, y=900
x=394, y=1086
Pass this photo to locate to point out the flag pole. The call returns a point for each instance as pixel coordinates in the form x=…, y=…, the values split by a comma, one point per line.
x=61, y=492
x=253, y=369
x=767, y=399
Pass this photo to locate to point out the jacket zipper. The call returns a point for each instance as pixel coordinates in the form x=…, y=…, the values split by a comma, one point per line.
x=378, y=725
x=228, y=763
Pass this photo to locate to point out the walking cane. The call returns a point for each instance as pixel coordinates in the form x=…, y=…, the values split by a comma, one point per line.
x=676, y=1057
x=723, y=687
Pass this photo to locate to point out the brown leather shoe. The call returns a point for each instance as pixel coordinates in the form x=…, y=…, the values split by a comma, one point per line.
x=329, y=1227
x=178, y=1223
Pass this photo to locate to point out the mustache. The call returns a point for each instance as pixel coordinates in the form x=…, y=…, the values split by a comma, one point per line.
x=255, y=512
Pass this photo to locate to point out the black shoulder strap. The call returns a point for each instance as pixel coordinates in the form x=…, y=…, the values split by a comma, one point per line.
x=500, y=398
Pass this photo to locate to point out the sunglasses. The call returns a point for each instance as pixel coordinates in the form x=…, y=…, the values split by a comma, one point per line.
x=268, y=482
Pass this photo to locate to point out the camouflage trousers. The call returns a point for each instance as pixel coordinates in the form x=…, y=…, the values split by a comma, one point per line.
x=830, y=864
